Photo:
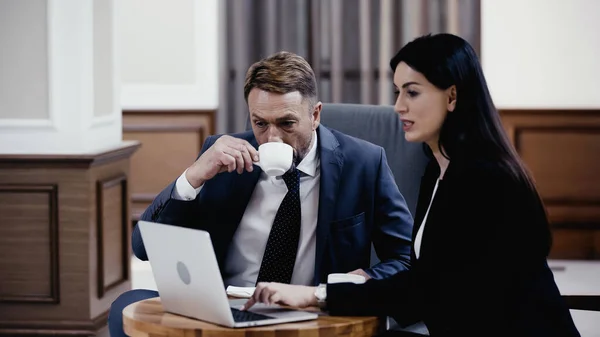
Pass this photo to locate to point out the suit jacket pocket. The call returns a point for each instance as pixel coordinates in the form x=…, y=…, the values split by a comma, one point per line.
x=352, y=221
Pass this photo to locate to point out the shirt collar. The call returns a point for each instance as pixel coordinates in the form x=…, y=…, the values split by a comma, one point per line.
x=308, y=165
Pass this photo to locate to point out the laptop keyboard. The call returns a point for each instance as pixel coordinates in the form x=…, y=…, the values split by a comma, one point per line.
x=247, y=316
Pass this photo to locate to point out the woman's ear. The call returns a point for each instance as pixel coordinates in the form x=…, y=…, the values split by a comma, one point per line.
x=451, y=105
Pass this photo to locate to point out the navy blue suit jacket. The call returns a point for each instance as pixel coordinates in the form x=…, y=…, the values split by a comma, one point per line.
x=359, y=203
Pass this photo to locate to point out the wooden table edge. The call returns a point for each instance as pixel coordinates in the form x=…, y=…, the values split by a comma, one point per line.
x=185, y=326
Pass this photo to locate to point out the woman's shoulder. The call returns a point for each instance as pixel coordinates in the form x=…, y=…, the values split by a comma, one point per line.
x=491, y=187
x=486, y=173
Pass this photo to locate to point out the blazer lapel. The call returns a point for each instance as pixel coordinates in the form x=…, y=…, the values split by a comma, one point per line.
x=332, y=162
x=425, y=193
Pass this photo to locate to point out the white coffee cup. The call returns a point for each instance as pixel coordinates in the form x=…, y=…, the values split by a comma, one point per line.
x=345, y=278
x=275, y=158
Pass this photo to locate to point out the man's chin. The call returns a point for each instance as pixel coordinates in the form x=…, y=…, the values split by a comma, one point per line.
x=300, y=155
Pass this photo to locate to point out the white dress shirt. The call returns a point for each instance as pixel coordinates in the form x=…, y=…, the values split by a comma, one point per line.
x=419, y=236
x=250, y=240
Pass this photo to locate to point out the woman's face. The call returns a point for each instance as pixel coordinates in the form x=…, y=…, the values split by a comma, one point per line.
x=421, y=105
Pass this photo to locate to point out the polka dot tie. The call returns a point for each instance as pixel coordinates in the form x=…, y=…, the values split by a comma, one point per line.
x=282, y=245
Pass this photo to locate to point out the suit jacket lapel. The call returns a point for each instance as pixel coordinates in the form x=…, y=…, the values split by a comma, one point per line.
x=423, y=202
x=332, y=162
x=425, y=193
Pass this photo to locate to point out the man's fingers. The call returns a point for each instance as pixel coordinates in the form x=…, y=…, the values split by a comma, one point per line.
x=244, y=153
x=244, y=147
x=239, y=160
x=247, y=159
x=252, y=151
x=236, y=142
x=227, y=161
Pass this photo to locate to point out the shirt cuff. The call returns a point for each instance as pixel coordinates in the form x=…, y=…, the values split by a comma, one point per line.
x=183, y=189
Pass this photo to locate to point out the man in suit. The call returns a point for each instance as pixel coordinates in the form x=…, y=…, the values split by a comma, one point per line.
x=318, y=218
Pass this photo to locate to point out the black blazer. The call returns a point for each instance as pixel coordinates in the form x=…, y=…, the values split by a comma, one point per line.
x=482, y=268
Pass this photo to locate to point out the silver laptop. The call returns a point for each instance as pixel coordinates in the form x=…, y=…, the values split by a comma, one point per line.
x=189, y=282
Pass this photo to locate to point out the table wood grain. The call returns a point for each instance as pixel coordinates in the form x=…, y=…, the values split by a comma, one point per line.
x=147, y=318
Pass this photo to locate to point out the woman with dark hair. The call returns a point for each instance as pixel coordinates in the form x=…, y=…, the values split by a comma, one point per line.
x=481, y=236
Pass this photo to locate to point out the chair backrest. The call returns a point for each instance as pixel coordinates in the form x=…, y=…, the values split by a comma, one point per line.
x=380, y=125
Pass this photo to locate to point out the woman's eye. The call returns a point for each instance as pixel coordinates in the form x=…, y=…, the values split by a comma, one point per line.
x=412, y=93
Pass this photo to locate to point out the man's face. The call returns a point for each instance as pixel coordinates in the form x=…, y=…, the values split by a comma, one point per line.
x=286, y=118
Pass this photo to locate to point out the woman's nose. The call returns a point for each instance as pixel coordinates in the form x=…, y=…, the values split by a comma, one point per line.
x=400, y=107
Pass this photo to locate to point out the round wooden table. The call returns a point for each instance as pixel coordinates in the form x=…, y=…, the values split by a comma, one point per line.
x=148, y=318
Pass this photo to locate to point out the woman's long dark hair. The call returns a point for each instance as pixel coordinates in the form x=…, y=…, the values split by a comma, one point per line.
x=474, y=129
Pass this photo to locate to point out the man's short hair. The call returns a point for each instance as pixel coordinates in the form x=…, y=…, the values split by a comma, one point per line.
x=282, y=73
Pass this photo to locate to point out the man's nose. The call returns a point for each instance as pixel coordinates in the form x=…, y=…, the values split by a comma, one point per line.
x=274, y=135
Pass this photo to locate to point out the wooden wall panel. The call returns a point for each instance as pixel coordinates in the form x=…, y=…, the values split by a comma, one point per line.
x=73, y=216
x=67, y=185
x=163, y=158
x=562, y=150
x=112, y=234
x=171, y=141
x=29, y=243
x=563, y=160
x=575, y=244
x=108, y=256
